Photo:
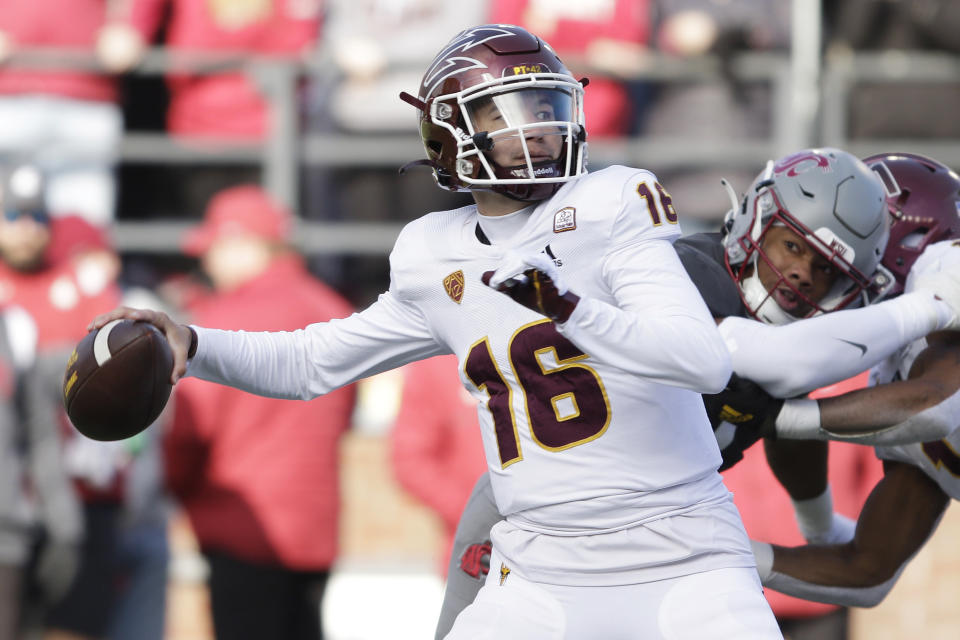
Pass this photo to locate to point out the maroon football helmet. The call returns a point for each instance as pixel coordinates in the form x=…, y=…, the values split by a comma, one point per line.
x=923, y=197
x=508, y=78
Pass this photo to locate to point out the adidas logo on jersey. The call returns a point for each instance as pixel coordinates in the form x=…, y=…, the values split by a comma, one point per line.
x=557, y=261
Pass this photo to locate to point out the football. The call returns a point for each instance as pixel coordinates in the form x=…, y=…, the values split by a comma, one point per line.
x=117, y=380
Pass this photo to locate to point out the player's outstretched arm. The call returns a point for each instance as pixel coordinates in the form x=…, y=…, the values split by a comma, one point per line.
x=923, y=408
x=178, y=335
x=899, y=516
x=832, y=347
x=300, y=364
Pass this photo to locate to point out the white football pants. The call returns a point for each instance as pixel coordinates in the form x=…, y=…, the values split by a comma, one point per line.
x=722, y=604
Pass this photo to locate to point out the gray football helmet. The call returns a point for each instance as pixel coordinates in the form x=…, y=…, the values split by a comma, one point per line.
x=837, y=204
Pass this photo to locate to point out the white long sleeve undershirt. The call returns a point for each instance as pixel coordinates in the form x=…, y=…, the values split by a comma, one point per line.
x=794, y=359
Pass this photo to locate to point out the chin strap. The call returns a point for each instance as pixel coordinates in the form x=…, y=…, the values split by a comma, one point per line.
x=418, y=163
x=734, y=206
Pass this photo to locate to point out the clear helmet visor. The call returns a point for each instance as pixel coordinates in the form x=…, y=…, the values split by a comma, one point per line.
x=522, y=134
x=540, y=109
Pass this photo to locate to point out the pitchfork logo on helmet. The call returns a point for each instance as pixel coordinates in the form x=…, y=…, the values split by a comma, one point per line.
x=923, y=197
x=449, y=63
x=836, y=204
x=499, y=111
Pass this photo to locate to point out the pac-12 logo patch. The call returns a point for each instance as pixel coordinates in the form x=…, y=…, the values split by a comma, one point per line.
x=453, y=285
x=565, y=220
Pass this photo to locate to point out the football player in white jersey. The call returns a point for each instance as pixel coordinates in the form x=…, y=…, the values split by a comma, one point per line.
x=587, y=375
x=794, y=247
x=911, y=412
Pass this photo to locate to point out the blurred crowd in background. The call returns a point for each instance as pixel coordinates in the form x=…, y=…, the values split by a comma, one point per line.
x=84, y=525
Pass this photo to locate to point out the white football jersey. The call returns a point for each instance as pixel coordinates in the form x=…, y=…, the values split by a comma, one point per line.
x=939, y=459
x=593, y=427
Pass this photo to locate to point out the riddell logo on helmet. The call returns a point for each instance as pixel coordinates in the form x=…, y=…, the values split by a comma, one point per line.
x=538, y=172
x=800, y=162
x=521, y=69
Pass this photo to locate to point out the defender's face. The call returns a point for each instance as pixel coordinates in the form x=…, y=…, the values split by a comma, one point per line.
x=803, y=268
x=521, y=111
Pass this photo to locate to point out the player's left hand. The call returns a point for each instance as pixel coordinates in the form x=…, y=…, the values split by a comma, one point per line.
x=535, y=282
x=740, y=415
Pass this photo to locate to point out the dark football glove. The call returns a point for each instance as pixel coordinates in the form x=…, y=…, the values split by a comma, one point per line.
x=535, y=282
x=740, y=415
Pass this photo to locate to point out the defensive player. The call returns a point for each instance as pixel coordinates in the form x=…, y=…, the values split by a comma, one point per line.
x=782, y=275
x=600, y=453
x=912, y=413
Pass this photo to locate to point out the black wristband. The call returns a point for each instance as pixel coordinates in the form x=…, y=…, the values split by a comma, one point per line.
x=192, y=349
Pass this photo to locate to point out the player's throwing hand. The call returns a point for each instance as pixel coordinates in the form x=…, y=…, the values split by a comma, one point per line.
x=178, y=335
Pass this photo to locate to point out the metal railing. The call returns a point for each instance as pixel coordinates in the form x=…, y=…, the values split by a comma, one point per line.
x=289, y=148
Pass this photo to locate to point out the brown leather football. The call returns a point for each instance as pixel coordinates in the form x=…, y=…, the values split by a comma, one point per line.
x=118, y=380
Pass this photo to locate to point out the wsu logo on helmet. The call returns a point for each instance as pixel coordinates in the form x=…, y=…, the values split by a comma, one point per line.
x=801, y=162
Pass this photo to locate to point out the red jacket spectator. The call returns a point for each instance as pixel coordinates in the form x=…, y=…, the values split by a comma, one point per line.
x=573, y=29
x=436, y=449
x=226, y=105
x=77, y=23
x=259, y=476
x=59, y=295
x=62, y=292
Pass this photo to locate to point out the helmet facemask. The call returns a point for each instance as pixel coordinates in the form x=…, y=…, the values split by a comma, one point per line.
x=850, y=288
x=536, y=119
